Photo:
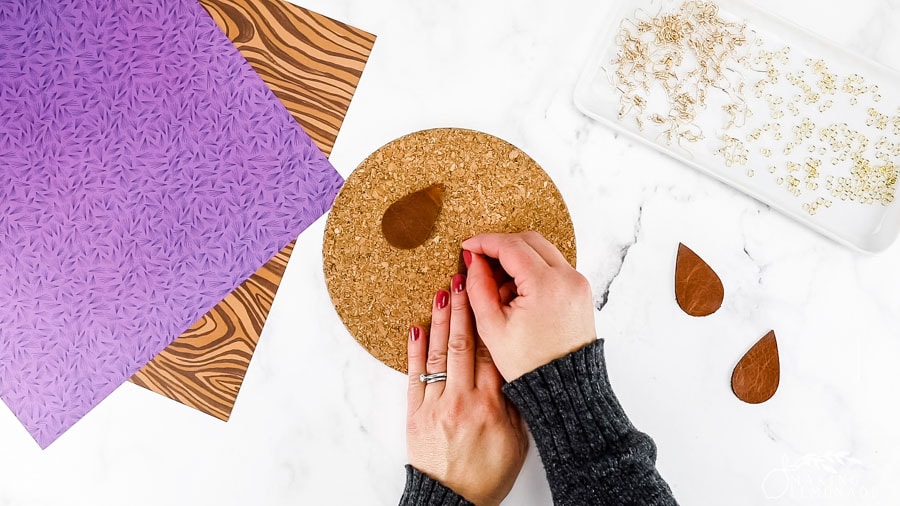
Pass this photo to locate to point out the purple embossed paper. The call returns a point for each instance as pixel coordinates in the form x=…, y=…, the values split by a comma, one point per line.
x=145, y=172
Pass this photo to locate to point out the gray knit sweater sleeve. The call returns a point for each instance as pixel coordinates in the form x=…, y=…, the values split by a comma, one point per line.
x=421, y=490
x=591, y=452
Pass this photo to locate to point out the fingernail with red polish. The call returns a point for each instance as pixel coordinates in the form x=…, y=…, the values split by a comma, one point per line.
x=467, y=258
x=414, y=333
x=458, y=283
x=441, y=299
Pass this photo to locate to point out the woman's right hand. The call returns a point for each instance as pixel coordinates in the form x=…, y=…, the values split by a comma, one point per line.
x=542, y=311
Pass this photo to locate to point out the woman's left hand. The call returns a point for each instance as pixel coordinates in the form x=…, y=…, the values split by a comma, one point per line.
x=462, y=432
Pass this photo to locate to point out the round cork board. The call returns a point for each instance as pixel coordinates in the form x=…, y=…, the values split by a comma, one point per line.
x=489, y=186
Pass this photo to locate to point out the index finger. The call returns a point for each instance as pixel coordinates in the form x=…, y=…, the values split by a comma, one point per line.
x=518, y=258
x=487, y=377
x=546, y=249
x=461, y=345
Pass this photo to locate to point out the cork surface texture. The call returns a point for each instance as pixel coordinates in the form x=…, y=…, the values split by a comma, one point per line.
x=489, y=186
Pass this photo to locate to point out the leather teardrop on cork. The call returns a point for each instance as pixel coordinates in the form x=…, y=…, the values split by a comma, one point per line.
x=408, y=222
x=698, y=289
x=755, y=378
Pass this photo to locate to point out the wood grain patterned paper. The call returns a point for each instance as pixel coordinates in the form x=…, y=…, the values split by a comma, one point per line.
x=312, y=64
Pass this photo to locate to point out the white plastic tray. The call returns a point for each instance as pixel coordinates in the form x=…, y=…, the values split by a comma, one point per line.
x=866, y=227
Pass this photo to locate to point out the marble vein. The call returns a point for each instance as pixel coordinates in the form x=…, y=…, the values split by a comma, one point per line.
x=601, y=293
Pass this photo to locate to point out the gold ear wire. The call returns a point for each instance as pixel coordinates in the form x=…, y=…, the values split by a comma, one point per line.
x=653, y=50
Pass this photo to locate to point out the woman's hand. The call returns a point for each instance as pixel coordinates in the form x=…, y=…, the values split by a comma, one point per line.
x=537, y=310
x=462, y=432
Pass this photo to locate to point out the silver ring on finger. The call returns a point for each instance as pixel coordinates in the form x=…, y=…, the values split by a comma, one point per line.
x=433, y=378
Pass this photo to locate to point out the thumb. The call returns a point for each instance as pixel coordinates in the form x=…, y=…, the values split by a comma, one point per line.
x=484, y=296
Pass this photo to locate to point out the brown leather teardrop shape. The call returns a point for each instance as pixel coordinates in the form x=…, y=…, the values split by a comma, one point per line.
x=408, y=222
x=756, y=376
x=698, y=289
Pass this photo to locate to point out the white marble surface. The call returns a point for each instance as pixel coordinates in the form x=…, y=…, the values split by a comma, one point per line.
x=321, y=422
